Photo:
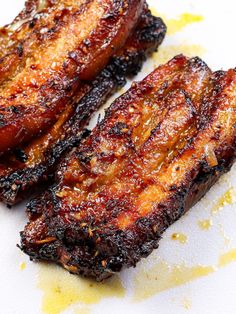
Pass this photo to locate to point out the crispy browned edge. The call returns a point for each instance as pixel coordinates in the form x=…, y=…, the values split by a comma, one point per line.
x=101, y=249
x=35, y=92
x=17, y=179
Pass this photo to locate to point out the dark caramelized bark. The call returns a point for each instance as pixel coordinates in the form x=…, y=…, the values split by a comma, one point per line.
x=158, y=150
x=64, y=43
x=22, y=170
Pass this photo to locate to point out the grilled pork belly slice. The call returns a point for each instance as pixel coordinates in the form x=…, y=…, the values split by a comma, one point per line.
x=64, y=43
x=159, y=149
x=24, y=168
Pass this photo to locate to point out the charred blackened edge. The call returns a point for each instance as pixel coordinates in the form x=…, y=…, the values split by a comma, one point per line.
x=110, y=250
x=149, y=35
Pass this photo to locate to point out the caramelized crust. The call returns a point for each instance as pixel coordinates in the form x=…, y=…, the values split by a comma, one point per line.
x=26, y=166
x=158, y=150
x=65, y=42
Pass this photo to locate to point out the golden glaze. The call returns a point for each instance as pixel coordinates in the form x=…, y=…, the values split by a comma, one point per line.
x=180, y=237
x=42, y=69
x=28, y=165
x=159, y=149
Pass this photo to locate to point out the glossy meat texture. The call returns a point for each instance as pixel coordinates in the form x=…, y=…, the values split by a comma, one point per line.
x=64, y=43
x=27, y=166
x=159, y=149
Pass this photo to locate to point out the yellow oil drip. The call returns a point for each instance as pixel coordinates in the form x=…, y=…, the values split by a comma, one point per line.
x=162, y=276
x=22, y=266
x=228, y=198
x=183, y=20
x=225, y=237
x=177, y=24
x=165, y=53
x=186, y=304
x=182, y=238
x=61, y=289
x=227, y=258
x=205, y=224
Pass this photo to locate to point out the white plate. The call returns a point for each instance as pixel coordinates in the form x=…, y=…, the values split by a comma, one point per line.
x=197, y=276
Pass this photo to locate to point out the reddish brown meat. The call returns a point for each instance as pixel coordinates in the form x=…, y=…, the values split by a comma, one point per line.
x=63, y=43
x=158, y=150
x=24, y=168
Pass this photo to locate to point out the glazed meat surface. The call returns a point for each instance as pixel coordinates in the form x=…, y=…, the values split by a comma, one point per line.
x=159, y=149
x=27, y=166
x=47, y=57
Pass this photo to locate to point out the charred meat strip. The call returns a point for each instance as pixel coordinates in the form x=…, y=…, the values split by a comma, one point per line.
x=64, y=43
x=26, y=166
x=159, y=149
